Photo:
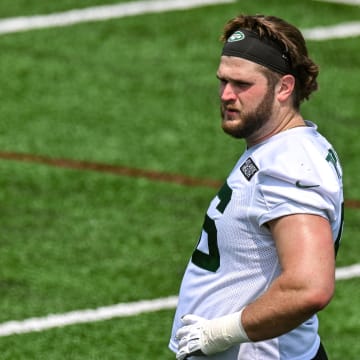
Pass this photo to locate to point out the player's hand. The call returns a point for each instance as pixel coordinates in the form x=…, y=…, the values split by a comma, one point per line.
x=199, y=336
x=189, y=336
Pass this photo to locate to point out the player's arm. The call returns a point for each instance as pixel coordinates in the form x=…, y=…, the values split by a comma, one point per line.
x=306, y=285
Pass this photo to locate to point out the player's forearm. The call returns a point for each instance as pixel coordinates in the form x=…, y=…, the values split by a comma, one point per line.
x=278, y=311
x=282, y=309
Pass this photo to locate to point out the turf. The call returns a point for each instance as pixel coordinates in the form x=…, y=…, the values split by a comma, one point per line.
x=138, y=92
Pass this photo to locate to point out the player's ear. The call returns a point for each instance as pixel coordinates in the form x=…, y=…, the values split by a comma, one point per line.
x=285, y=87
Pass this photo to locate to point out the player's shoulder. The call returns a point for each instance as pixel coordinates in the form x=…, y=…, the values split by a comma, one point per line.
x=299, y=145
x=293, y=155
x=296, y=154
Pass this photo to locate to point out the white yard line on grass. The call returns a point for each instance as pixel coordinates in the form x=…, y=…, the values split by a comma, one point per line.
x=106, y=12
x=348, y=272
x=347, y=2
x=99, y=13
x=116, y=311
x=339, y=31
x=87, y=316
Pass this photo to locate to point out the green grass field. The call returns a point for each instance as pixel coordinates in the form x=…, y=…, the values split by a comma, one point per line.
x=138, y=92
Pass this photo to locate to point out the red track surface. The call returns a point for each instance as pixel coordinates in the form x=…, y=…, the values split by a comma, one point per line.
x=126, y=171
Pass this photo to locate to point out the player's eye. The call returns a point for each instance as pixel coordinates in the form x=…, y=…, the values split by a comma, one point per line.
x=241, y=84
x=222, y=81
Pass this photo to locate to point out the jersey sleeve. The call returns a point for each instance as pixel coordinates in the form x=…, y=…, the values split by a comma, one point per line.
x=300, y=183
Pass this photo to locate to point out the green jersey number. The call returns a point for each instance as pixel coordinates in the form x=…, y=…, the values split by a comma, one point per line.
x=211, y=261
x=332, y=158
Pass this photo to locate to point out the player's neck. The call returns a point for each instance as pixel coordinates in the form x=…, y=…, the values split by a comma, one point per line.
x=291, y=120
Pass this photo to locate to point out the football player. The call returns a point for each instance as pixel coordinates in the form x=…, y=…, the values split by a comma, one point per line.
x=264, y=264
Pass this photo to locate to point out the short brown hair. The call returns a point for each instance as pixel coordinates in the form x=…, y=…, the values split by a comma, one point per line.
x=291, y=39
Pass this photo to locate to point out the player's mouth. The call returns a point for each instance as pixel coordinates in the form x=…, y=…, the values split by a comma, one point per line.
x=231, y=113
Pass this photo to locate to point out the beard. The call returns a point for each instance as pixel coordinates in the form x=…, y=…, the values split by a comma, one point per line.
x=251, y=121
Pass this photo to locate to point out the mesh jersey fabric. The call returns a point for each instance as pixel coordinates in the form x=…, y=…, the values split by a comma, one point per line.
x=292, y=172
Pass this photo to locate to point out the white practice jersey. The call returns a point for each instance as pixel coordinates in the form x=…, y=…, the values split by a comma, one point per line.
x=235, y=260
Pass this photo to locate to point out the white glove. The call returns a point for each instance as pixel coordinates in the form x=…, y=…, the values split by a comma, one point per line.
x=207, y=337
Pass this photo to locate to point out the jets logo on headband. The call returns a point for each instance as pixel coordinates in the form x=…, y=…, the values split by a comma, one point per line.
x=266, y=51
x=236, y=36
